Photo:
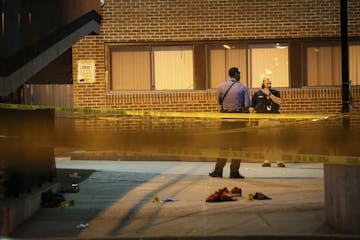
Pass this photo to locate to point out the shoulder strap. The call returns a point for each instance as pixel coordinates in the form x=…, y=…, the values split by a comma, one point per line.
x=222, y=99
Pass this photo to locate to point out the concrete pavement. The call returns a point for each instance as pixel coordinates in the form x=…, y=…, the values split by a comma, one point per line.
x=116, y=201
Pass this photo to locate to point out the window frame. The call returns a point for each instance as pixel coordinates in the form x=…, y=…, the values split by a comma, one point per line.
x=223, y=46
x=125, y=48
x=297, y=59
x=112, y=47
x=272, y=44
x=247, y=72
x=353, y=43
x=316, y=43
x=160, y=48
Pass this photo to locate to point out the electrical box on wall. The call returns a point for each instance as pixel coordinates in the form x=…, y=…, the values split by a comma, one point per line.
x=86, y=71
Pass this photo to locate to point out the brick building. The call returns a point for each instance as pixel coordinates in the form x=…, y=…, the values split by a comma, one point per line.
x=170, y=55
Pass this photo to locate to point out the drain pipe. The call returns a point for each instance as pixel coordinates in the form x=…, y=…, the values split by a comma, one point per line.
x=344, y=58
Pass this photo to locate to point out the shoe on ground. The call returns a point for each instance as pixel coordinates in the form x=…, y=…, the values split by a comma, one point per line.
x=220, y=196
x=226, y=196
x=281, y=164
x=236, y=175
x=224, y=190
x=215, y=174
x=236, y=192
x=260, y=196
x=215, y=197
x=266, y=163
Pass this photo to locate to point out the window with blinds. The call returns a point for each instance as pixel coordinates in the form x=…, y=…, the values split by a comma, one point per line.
x=152, y=68
x=222, y=58
x=269, y=60
x=168, y=67
x=323, y=66
x=173, y=68
x=354, y=64
x=130, y=70
x=255, y=62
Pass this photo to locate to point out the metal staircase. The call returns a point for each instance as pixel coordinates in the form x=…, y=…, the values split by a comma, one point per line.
x=35, y=32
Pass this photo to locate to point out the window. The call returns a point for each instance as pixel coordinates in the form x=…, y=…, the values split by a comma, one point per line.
x=173, y=68
x=323, y=66
x=269, y=60
x=222, y=58
x=130, y=69
x=255, y=62
x=151, y=68
x=354, y=64
x=205, y=66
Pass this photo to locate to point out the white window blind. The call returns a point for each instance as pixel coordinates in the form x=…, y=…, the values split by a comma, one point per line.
x=130, y=70
x=173, y=68
x=271, y=62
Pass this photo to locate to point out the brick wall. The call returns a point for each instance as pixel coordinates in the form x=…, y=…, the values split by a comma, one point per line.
x=137, y=21
x=125, y=21
x=293, y=100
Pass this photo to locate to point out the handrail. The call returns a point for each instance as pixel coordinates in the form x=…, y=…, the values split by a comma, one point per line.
x=25, y=22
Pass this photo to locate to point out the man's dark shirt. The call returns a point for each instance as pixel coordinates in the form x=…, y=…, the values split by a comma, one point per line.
x=262, y=104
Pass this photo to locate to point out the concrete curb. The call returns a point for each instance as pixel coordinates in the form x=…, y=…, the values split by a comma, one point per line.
x=14, y=211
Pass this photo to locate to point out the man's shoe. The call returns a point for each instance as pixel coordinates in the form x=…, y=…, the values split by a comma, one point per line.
x=215, y=197
x=260, y=196
x=236, y=175
x=215, y=174
x=236, y=192
x=281, y=164
x=266, y=163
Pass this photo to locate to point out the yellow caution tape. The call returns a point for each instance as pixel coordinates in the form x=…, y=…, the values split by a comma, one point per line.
x=210, y=153
x=298, y=116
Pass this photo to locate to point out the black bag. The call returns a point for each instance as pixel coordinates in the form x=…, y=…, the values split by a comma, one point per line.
x=51, y=200
x=267, y=107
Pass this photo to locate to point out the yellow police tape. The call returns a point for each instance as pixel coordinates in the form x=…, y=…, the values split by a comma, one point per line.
x=209, y=153
x=212, y=153
x=295, y=116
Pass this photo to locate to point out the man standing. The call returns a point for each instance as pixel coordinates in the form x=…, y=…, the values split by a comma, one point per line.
x=266, y=100
x=233, y=97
